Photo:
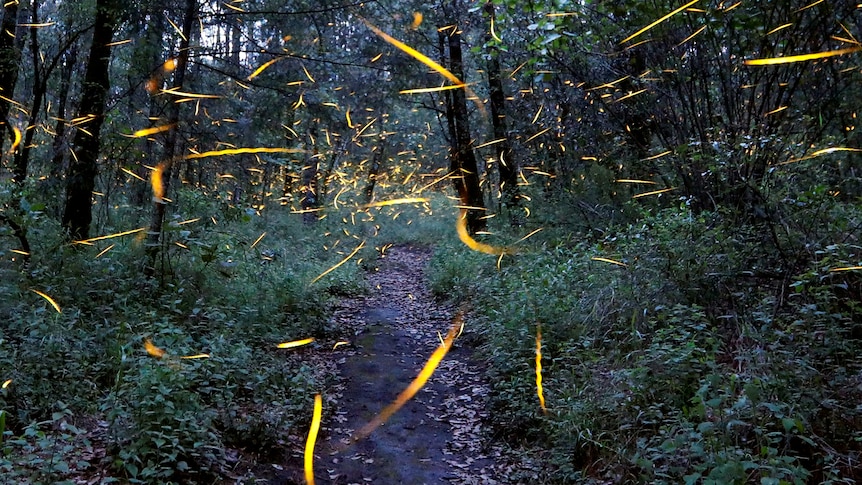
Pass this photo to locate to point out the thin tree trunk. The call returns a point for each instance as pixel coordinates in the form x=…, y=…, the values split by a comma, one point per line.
x=81, y=179
x=464, y=164
x=309, y=200
x=507, y=166
x=59, y=148
x=155, y=234
x=22, y=156
x=373, y=170
x=333, y=163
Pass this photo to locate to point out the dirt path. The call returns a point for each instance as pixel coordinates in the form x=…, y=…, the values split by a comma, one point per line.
x=437, y=437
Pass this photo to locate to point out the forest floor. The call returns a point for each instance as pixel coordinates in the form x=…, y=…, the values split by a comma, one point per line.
x=438, y=437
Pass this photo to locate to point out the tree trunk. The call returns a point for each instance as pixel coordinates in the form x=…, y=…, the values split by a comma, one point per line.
x=40, y=86
x=59, y=148
x=81, y=178
x=154, y=236
x=462, y=158
x=10, y=58
x=309, y=200
x=507, y=166
x=372, y=173
x=337, y=151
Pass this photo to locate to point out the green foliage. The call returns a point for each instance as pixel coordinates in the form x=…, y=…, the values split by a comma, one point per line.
x=682, y=366
x=168, y=419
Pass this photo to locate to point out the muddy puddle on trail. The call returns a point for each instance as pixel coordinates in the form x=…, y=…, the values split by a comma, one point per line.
x=437, y=437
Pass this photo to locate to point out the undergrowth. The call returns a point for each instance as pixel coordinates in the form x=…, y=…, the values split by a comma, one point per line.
x=698, y=354
x=84, y=397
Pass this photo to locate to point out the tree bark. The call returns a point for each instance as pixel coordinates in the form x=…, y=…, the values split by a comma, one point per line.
x=59, y=148
x=507, y=166
x=462, y=158
x=309, y=200
x=10, y=58
x=40, y=86
x=154, y=236
x=373, y=170
x=81, y=178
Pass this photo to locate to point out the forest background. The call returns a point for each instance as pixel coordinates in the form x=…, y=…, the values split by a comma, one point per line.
x=670, y=192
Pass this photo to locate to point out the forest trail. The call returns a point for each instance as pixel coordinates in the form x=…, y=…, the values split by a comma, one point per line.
x=438, y=436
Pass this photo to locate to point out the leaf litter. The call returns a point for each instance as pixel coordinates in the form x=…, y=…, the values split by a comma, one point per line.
x=440, y=435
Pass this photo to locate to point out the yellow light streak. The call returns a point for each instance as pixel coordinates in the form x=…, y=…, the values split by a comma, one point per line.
x=296, y=343
x=537, y=135
x=847, y=268
x=352, y=254
x=133, y=174
x=18, y=251
x=152, y=131
x=367, y=125
x=176, y=27
x=533, y=233
x=633, y=181
x=654, y=192
x=489, y=143
x=606, y=260
x=776, y=110
x=406, y=200
x=493, y=33
x=420, y=57
x=109, y=236
x=692, y=36
x=6, y=383
x=641, y=31
x=538, y=112
x=376, y=58
x=102, y=252
x=308, y=75
x=153, y=350
x=196, y=356
x=471, y=243
x=233, y=7
x=824, y=151
x=114, y=44
x=801, y=58
x=263, y=67
x=177, y=92
x=16, y=140
x=157, y=184
x=657, y=156
x=339, y=344
x=258, y=240
x=436, y=181
x=308, y=457
x=39, y=25
x=779, y=28
x=49, y=299
x=240, y=151
x=414, y=387
x=447, y=87
x=630, y=95
x=809, y=6
x=539, y=391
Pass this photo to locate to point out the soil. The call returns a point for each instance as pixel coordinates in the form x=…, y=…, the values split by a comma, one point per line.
x=437, y=436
